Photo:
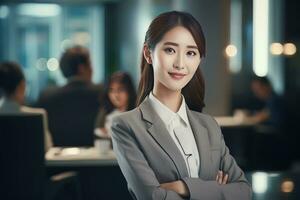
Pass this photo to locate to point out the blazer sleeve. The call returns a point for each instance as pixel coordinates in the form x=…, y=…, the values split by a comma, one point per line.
x=237, y=187
x=140, y=177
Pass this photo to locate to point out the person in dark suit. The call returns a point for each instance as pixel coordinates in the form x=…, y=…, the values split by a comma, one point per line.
x=13, y=86
x=166, y=148
x=273, y=112
x=73, y=108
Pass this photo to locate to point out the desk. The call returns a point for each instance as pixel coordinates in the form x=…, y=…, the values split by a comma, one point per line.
x=99, y=174
x=244, y=122
x=238, y=134
x=254, y=146
x=72, y=157
x=233, y=121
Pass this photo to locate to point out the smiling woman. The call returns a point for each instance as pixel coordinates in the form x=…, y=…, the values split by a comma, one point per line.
x=174, y=63
x=188, y=38
x=167, y=148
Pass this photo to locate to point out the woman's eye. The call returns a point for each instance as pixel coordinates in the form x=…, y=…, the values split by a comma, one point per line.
x=191, y=53
x=169, y=50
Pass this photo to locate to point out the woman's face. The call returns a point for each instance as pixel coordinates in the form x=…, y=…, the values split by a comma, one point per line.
x=118, y=95
x=175, y=59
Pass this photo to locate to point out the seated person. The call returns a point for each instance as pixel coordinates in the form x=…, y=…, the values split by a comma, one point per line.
x=12, y=85
x=72, y=108
x=272, y=114
x=119, y=96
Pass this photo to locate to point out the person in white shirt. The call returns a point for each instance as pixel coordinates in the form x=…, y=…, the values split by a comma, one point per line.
x=119, y=96
x=12, y=86
x=166, y=147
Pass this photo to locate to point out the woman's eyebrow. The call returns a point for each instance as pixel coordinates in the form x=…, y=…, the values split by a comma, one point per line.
x=171, y=43
x=175, y=44
x=192, y=46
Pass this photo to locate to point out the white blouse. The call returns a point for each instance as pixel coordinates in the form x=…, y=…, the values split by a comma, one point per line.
x=179, y=128
x=107, y=124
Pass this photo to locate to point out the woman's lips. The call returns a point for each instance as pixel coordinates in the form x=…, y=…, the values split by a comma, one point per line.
x=176, y=76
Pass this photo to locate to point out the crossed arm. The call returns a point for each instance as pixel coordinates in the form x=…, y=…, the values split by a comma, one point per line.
x=181, y=188
x=144, y=184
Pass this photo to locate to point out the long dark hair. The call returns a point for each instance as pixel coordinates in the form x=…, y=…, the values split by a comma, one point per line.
x=195, y=89
x=125, y=80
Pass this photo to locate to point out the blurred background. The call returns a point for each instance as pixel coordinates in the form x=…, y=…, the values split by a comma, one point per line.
x=35, y=33
x=244, y=39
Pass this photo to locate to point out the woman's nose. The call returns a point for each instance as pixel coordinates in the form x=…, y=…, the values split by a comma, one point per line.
x=179, y=62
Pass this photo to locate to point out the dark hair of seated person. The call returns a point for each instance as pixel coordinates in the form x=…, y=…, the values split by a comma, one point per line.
x=11, y=76
x=72, y=58
x=262, y=80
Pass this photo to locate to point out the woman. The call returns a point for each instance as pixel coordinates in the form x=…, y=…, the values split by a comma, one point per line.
x=166, y=148
x=120, y=96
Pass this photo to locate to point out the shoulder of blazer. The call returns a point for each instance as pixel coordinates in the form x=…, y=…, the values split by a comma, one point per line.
x=213, y=129
x=126, y=117
x=125, y=123
x=206, y=119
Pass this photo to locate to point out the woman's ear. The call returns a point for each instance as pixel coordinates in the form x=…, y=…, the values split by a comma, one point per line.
x=147, y=54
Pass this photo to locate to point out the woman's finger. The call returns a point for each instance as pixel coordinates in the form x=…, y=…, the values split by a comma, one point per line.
x=225, y=179
x=220, y=177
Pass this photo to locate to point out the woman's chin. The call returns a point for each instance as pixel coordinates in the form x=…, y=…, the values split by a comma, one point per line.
x=175, y=88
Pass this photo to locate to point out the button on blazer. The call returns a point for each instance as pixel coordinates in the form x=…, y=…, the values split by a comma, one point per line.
x=148, y=157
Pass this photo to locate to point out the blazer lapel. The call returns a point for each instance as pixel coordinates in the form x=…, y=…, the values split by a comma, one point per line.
x=202, y=141
x=159, y=132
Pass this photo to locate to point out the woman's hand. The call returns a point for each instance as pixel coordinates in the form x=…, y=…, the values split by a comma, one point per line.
x=177, y=186
x=180, y=187
x=104, y=130
x=222, y=178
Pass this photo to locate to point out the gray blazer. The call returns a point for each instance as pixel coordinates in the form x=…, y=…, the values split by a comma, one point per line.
x=148, y=157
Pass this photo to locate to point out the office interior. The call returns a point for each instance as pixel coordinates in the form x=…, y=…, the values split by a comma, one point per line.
x=244, y=39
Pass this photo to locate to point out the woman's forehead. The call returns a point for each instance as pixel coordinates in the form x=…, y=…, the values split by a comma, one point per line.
x=178, y=35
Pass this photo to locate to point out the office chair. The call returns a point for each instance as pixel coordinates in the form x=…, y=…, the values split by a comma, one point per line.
x=22, y=160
